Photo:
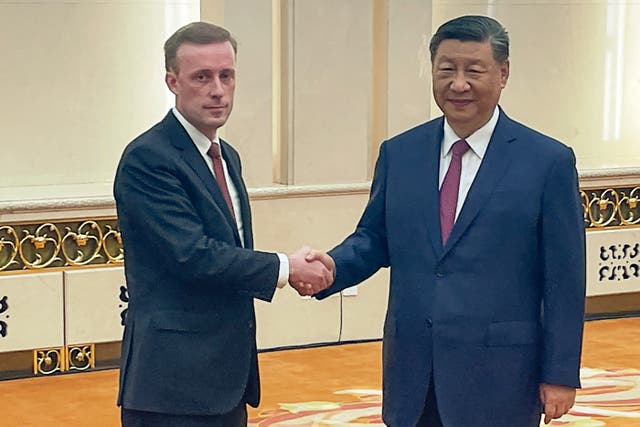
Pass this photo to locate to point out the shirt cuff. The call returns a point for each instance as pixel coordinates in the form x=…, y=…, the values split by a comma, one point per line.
x=283, y=273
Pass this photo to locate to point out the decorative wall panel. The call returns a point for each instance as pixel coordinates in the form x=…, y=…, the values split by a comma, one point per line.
x=613, y=261
x=31, y=311
x=93, y=305
x=611, y=207
x=60, y=244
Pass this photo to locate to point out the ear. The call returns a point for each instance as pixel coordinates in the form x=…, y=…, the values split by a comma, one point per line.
x=171, y=80
x=504, y=73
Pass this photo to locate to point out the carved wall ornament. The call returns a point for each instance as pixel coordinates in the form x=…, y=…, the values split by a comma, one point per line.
x=80, y=357
x=65, y=244
x=4, y=308
x=8, y=247
x=48, y=361
x=619, y=262
x=82, y=246
x=124, y=306
x=611, y=207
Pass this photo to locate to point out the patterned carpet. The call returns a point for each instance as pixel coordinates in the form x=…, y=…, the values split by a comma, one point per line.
x=607, y=397
x=335, y=386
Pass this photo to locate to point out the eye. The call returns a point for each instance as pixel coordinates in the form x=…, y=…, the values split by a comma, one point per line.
x=226, y=75
x=201, y=77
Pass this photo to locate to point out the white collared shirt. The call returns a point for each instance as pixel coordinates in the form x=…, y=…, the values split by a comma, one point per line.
x=203, y=143
x=471, y=160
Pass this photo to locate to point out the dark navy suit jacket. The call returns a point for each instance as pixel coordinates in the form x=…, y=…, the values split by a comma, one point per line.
x=189, y=339
x=496, y=311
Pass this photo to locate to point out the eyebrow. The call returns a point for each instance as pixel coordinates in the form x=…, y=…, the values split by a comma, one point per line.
x=471, y=62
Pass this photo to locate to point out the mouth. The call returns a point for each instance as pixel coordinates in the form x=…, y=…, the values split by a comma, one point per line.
x=460, y=102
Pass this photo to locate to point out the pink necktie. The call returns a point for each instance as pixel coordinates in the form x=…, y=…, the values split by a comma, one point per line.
x=449, y=189
x=218, y=170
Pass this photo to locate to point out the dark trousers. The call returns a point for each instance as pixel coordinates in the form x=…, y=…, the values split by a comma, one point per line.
x=236, y=418
x=430, y=416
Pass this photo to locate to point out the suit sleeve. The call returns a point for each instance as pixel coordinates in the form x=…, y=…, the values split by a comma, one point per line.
x=162, y=230
x=563, y=252
x=365, y=251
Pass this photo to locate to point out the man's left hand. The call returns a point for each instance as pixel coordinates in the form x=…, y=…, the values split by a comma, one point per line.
x=557, y=400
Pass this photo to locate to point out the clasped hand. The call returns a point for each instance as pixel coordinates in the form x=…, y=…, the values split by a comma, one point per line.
x=310, y=271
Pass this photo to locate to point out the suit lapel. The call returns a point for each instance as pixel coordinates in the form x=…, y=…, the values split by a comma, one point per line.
x=245, y=208
x=429, y=178
x=190, y=154
x=493, y=167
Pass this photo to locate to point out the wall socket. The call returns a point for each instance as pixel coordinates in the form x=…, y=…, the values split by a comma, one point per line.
x=350, y=292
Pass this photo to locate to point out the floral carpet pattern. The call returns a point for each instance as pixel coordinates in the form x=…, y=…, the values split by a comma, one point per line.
x=608, y=397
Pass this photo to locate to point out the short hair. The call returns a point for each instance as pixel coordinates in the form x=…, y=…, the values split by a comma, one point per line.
x=474, y=28
x=197, y=33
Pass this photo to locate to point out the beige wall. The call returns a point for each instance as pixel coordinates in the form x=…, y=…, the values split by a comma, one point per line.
x=320, y=221
x=79, y=80
x=85, y=77
x=320, y=84
x=574, y=72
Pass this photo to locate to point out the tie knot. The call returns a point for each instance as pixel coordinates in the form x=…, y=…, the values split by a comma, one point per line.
x=214, y=150
x=459, y=148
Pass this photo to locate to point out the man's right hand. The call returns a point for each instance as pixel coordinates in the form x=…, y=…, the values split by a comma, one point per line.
x=308, y=277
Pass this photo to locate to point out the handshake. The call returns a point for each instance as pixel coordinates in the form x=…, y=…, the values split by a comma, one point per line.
x=310, y=271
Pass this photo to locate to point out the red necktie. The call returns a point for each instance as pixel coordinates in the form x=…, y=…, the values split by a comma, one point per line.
x=218, y=171
x=449, y=189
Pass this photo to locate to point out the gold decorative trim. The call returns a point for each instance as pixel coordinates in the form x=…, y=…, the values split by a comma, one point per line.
x=8, y=247
x=60, y=244
x=47, y=361
x=78, y=357
x=611, y=207
x=89, y=242
x=81, y=357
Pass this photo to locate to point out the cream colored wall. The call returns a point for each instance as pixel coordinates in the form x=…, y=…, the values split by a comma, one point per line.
x=320, y=84
x=79, y=80
x=574, y=72
x=322, y=221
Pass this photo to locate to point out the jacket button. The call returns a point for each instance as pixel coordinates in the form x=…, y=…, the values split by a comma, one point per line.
x=439, y=275
x=429, y=323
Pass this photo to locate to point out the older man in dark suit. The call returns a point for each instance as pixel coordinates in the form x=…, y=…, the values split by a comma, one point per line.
x=189, y=348
x=480, y=220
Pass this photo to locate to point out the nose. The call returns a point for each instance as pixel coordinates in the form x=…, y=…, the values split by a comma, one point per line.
x=215, y=88
x=460, y=82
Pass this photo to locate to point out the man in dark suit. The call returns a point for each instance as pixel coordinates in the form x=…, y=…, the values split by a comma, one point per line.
x=480, y=220
x=189, y=348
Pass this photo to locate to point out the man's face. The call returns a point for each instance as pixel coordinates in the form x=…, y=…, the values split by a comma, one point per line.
x=467, y=82
x=204, y=84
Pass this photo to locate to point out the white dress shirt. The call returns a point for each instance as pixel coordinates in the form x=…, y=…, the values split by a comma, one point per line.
x=203, y=144
x=471, y=160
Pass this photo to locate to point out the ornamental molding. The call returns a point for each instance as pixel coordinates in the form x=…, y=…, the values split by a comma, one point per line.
x=91, y=240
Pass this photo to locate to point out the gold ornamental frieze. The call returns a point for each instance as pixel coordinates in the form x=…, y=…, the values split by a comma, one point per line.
x=90, y=241
x=9, y=244
x=40, y=248
x=611, y=207
x=112, y=244
x=83, y=246
x=60, y=244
